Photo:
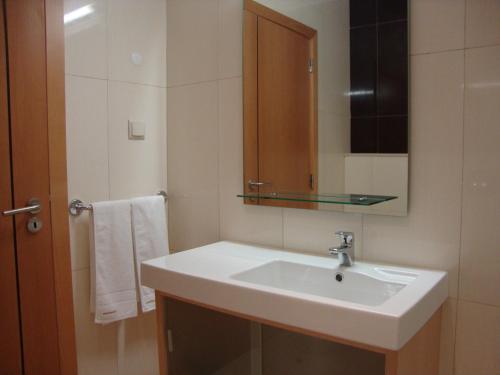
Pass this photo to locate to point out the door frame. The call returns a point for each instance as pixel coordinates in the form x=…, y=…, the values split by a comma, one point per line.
x=252, y=11
x=56, y=120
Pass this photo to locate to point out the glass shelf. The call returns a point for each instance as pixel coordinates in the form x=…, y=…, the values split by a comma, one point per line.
x=351, y=199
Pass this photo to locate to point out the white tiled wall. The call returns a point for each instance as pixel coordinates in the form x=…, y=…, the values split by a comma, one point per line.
x=105, y=89
x=454, y=175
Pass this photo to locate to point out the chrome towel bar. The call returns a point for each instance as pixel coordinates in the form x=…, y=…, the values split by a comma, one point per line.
x=76, y=206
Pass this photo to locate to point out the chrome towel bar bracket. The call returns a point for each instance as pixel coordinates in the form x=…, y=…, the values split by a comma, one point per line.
x=76, y=206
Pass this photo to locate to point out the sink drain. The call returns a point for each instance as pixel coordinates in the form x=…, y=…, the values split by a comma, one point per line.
x=339, y=276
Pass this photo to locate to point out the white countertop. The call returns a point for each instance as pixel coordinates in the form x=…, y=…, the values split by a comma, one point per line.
x=204, y=275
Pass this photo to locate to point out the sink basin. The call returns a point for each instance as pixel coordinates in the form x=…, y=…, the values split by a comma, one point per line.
x=373, y=304
x=347, y=285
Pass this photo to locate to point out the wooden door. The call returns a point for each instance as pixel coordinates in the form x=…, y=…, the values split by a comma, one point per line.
x=280, y=106
x=284, y=109
x=10, y=343
x=34, y=149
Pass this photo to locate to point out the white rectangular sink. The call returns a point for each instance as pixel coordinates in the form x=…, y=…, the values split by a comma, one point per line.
x=370, y=289
x=378, y=305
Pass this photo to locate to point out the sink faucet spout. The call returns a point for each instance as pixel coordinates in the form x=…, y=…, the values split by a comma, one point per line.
x=345, y=251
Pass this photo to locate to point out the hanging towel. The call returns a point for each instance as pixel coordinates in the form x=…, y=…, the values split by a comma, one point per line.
x=150, y=237
x=113, y=287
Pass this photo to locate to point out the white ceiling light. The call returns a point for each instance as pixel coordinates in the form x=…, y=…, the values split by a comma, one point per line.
x=78, y=13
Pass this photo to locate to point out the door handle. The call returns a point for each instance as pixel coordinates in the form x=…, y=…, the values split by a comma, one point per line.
x=33, y=207
x=252, y=183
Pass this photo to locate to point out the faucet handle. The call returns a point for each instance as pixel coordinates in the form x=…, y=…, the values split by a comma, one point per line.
x=346, y=238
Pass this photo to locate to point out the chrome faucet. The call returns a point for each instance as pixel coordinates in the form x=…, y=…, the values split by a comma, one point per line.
x=345, y=251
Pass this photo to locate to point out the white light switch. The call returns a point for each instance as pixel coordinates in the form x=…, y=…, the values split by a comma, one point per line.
x=136, y=130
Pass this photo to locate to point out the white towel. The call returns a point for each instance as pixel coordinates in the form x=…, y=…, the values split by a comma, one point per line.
x=149, y=231
x=113, y=286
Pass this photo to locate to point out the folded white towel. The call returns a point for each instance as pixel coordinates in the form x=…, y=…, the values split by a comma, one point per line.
x=149, y=230
x=113, y=287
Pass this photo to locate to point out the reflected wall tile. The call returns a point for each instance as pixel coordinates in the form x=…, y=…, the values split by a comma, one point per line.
x=436, y=25
x=364, y=135
x=137, y=167
x=392, y=10
x=309, y=230
x=193, y=165
x=95, y=344
x=230, y=38
x=363, y=51
x=137, y=41
x=478, y=339
x=240, y=222
x=87, y=156
x=482, y=23
x=362, y=12
x=392, y=69
x=85, y=39
x=480, y=262
x=192, y=33
x=435, y=174
x=393, y=135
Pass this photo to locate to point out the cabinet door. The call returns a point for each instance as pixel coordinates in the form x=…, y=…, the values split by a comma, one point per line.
x=202, y=341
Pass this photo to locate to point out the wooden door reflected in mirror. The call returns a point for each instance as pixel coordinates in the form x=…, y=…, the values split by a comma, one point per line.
x=284, y=52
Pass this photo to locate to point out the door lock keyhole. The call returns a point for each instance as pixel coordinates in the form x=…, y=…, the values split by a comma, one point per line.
x=34, y=225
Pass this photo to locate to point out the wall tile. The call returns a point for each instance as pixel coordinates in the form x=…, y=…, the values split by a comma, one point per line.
x=482, y=23
x=137, y=167
x=436, y=25
x=480, y=262
x=192, y=33
x=193, y=220
x=87, y=159
x=137, y=346
x=85, y=40
x=435, y=174
x=95, y=344
x=261, y=225
x=193, y=165
x=307, y=230
x=230, y=38
x=478, y=339
x=137, y=28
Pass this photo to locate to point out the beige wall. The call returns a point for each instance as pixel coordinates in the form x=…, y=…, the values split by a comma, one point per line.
x=103, y=91
x=454, y=181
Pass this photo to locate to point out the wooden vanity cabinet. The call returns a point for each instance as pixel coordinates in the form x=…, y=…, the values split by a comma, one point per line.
x=199, y=339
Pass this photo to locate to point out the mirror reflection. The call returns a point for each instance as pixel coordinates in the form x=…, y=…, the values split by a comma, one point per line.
x=326, y=103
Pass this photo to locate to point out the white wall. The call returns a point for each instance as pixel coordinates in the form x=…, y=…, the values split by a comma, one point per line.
x=454, y=181
x=103, y=91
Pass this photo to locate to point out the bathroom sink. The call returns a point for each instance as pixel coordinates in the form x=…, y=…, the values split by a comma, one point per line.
x=378, y=305
x=346, y=285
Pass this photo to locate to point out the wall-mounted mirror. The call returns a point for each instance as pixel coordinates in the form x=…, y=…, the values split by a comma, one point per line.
x=326, y=104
